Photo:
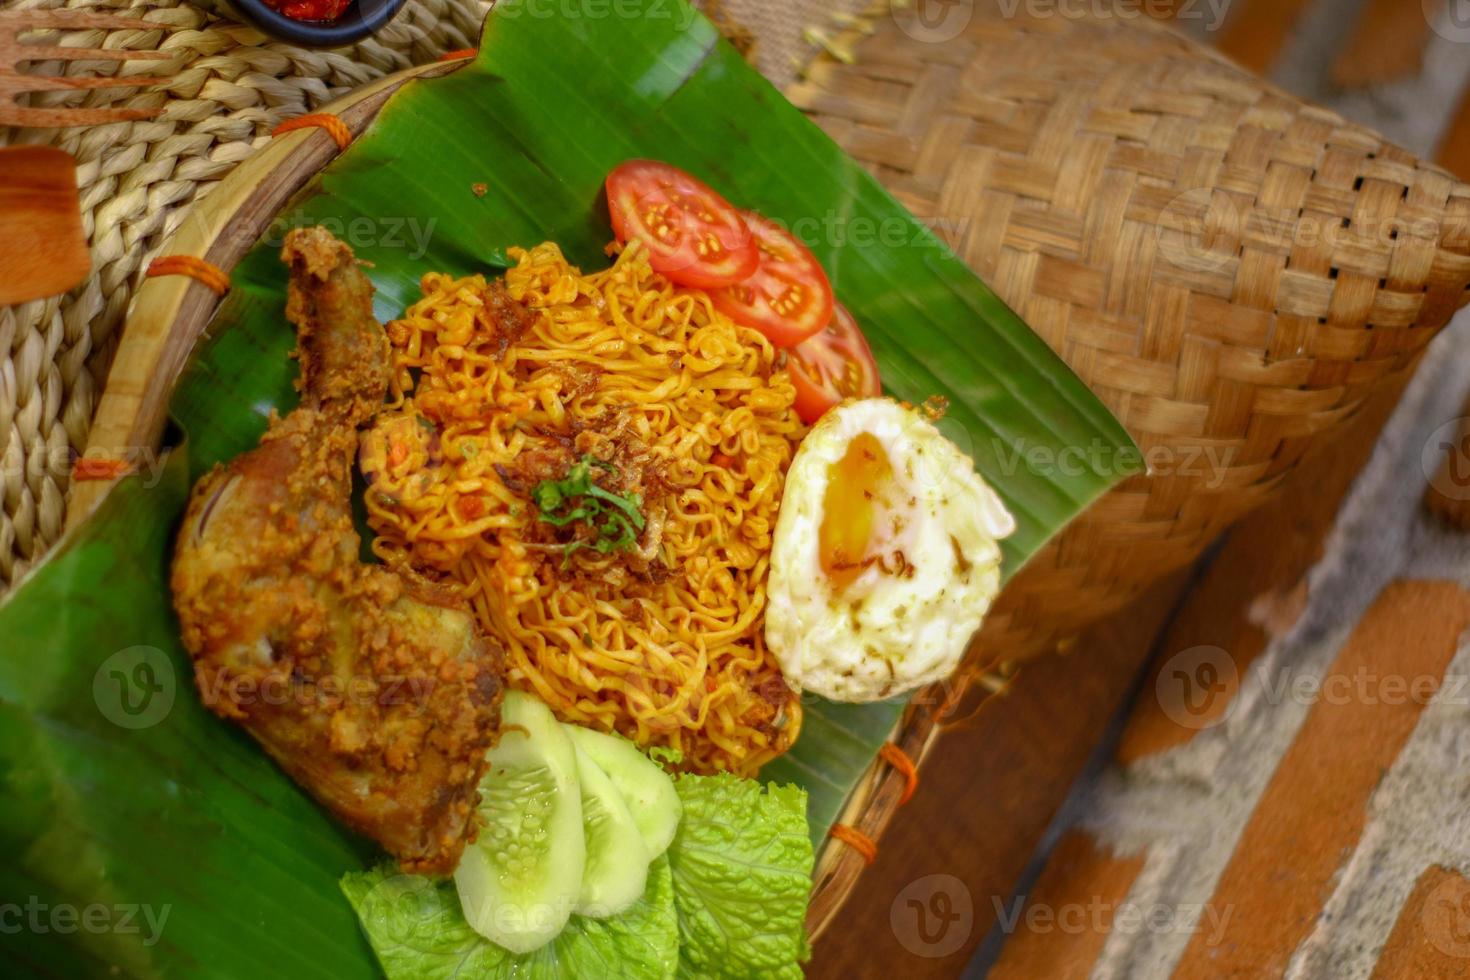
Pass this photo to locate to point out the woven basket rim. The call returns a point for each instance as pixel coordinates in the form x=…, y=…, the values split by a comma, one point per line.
x=171, y=314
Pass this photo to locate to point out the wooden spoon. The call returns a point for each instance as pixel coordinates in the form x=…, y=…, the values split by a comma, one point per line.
x=42, y=248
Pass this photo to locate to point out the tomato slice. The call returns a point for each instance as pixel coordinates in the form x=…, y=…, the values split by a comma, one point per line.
x=693, y=235
x=788, y=297
x=832, y=366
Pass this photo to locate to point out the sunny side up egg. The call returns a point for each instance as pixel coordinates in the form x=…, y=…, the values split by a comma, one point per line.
x=885, y=557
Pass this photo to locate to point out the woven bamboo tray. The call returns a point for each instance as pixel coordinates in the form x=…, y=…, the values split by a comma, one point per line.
x=172, y=312
x=1062, y=159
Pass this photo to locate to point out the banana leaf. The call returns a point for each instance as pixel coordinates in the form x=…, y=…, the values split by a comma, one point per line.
x=181, y=811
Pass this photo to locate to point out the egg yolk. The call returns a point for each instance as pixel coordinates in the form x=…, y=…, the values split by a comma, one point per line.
x=851, y=508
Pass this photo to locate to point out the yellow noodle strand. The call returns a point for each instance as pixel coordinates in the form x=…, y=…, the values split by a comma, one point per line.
x=679, y=662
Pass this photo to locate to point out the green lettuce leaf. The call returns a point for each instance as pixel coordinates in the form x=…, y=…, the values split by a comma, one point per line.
x=728, y=900
x=742, y=867
x=664, y=755
x=418, y=930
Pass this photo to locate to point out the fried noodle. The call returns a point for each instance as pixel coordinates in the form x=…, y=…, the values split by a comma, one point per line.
x=693, y=413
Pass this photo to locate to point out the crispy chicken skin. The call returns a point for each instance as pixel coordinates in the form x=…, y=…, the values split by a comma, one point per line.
x=375, y=690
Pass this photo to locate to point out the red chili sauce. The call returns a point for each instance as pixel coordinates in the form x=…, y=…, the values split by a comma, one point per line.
x=311, y=10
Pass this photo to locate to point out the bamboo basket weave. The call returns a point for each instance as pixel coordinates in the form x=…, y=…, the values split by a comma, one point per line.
x=1120, y=187
x=228, y=86
x=1231, y=271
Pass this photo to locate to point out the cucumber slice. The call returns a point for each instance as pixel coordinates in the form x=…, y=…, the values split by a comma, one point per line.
x=519, y=881
x=617, y=859
x=646, y=788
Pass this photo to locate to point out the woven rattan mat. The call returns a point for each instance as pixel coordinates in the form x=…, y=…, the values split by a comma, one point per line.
x=230, y=86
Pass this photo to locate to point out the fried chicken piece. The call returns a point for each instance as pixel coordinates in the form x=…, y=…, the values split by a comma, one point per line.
x=375, y=690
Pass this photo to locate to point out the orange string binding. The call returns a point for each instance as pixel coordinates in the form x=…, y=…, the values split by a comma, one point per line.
x=899, y=760
x=195, y=268
x=99, y=468
x=457, y=55
x=857, y=840
x=335, y=127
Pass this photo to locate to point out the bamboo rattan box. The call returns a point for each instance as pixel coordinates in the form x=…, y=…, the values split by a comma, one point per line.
x=1232, y=271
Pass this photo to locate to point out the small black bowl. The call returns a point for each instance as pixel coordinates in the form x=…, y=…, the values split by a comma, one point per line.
x=364, y=17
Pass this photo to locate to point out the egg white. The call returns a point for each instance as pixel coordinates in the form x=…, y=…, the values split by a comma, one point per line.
x=904, y=621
